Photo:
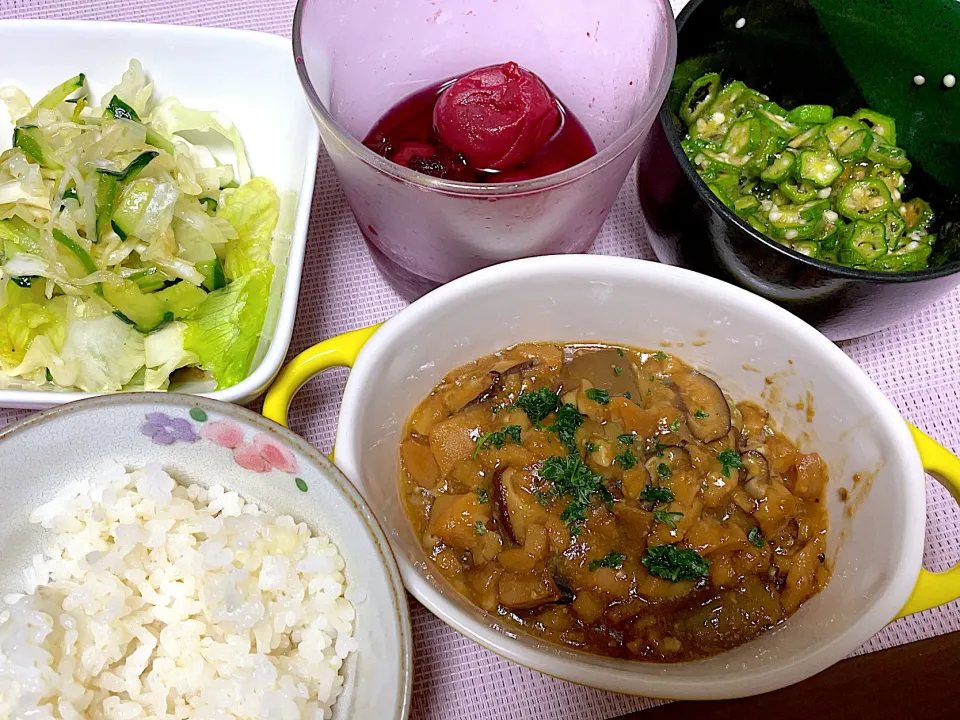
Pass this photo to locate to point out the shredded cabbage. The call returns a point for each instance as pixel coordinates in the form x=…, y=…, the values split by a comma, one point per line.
x=111, y=200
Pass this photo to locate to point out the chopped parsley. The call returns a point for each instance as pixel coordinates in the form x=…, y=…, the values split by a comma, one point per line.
x=701, y=414
x=543, y=497
x=671, y=563
x=656, y=494
x=659, y=355
x=617, y=370
x=589, y=446
x=664, y=471
x=480, y=528
x=619, y=352
x=538, y=404
x=675, y=425
x=658, y=447
x=498, y=438
x=667, y=518
x=729, y=459
x=628, y=396
x=567, y=422
x=755, y=537
x=572, y=478
x=626, y=438
x=612, y=559
x=599, y=396
x=482, y=496
x=626, y=459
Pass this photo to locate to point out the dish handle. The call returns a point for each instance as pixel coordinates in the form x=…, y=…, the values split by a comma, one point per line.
x=933, y=589
x=339, y=351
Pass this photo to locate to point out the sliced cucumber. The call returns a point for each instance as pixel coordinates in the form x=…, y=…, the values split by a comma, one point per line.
x=181, y=299
x=29, y=139
x=133, y=205
x=145, y=310
x=108, y=188
x=212, y=272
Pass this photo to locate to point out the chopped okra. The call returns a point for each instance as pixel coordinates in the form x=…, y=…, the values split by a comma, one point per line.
x=828, y=186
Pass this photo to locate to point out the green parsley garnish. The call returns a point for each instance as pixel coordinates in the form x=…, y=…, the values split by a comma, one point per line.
x=612, y=559
x=729, y=459
x=568, y=420
x=498, y=438
x=589, y=446
x=667, y=518
x=571, y=477
x=656, y=494
x=538, y=404
x=627, y=395
x=701, y=414
x=599, y=396
x=543, y=497
x=619, y=352
x=659, y=355
x=480, y=528
x=658, y=448
x=671, y=563
x=617, y=370
x=626, y=459
x=755, y=537
x=482, y=496
x=664, y=471
x=626, y=438
x=675, y=425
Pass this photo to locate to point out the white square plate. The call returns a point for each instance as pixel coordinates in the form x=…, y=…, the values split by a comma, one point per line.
x=248, y=76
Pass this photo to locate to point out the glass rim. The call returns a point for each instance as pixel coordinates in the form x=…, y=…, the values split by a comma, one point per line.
x=484, y=190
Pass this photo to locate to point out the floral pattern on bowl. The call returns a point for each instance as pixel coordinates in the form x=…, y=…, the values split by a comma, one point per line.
x=166, y=430
x=261, y=453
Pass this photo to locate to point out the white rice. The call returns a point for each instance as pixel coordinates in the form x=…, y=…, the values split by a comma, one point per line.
x=158, y=600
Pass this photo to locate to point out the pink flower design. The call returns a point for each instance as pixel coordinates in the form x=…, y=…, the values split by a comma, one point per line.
x=225, y=433
x=262, y=454
x=247, y=456
x=277, y=455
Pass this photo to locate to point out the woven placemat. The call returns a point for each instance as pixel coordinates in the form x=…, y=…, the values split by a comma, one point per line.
x=916, y=364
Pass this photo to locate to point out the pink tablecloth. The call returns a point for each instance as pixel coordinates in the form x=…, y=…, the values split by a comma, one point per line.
x=917, y=365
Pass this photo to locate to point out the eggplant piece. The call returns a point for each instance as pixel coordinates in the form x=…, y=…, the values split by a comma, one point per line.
x=467, y=391
x=500, y=512
x=758, y=474
x=599, y=368
x=527, y=590
x=516, y=506
x=708, y=415
x=567, y=595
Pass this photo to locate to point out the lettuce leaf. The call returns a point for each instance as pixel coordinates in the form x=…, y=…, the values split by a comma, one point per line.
x=165, y=352
x=170, y=118
x=224, y=330
x=106, y=351
x=134, y=88
x=19, y=325
x=253, y=211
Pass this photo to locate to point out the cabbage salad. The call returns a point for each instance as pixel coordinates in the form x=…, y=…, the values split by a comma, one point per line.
x=127, y=251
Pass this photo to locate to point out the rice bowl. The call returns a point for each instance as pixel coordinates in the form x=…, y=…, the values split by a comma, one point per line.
x=255, y=463
x=158, y=599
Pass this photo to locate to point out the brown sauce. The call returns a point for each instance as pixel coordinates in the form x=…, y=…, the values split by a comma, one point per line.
x=614, y=500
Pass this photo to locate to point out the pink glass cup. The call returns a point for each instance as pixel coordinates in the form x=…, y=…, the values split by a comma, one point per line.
x=609, y=62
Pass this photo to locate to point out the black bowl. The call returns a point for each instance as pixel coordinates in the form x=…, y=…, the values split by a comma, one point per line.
x=784, y=51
